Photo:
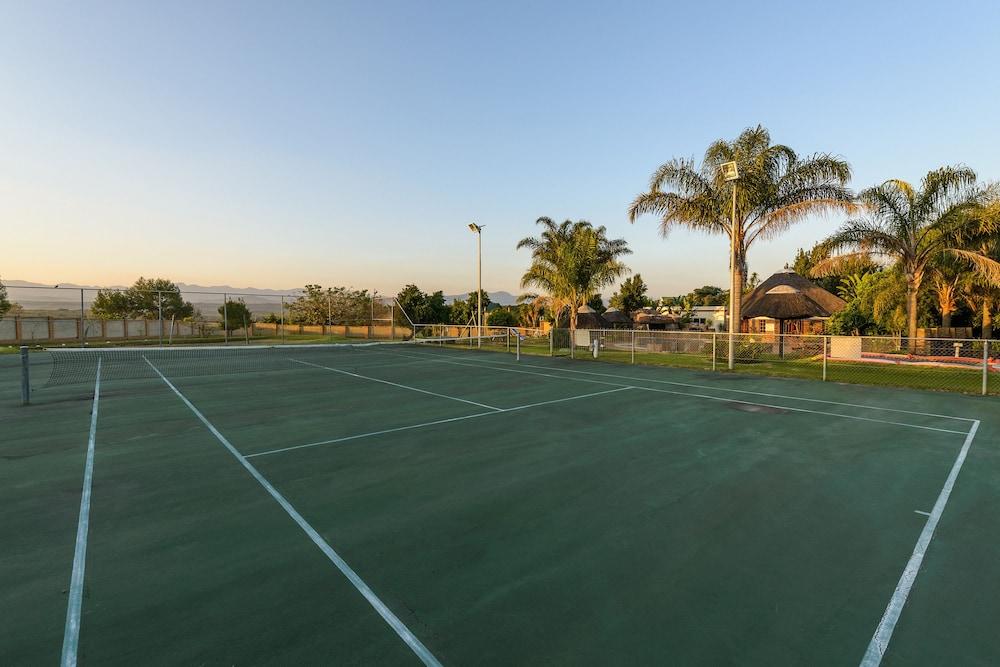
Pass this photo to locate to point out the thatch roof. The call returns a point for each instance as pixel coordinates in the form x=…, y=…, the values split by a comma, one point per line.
x=588, y=318
x=615, y=316
x=788, y=296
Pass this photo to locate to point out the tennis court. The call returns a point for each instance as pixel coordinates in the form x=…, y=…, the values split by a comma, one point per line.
x=399, y=503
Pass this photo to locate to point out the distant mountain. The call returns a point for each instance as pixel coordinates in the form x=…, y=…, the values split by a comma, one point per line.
x=258, y=299
x=503, y=298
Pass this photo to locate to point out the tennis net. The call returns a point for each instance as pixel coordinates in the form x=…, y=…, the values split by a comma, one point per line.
x=68, y=366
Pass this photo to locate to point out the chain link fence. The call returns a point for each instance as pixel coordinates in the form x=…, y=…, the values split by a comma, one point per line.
x=74, y=316
x=948, y=364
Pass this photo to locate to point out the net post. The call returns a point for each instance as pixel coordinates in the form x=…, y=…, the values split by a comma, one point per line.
x=25, y=377
x=517, y=344
x=282, y=318
x=633, y=346
x=826, y=354
x=986, y=366
x=225, y=317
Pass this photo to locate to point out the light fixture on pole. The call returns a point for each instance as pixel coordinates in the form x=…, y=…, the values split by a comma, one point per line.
x=478, y=231
x=730, y=173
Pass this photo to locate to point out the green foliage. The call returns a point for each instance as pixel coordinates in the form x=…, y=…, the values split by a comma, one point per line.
x=421, y=307
x=878, y=306
x=143, y=300
x=336, y=305
x=502, y=317
x=235, y=315
x=631, y=296
x=572, y=261
x=5, y=304
x=597, y=303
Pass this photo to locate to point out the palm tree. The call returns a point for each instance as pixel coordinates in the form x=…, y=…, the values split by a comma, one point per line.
x=534, y=307
x=914, y=226
x=946, y=280
x=572, y=261
x=776, y=189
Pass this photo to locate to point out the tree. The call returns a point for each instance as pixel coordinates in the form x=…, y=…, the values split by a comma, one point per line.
x=596, y=302
x=776, y=189
x=5, y=304
x=502, y=317
x=421, y=307
x=631, y=295
x=913, y=227
x=946, y=275
x=572, y=261
x=876, y=306
x=147, y=298
x=533, y=308
x=235, y=315
x=333, y=305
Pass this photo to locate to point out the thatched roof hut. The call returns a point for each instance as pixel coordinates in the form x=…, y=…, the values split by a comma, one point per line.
x=588, y=318
x=788, y=303
x=617, y=318
x=788, y=296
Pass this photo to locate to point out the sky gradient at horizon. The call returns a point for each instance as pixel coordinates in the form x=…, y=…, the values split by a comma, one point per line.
x=351, y=143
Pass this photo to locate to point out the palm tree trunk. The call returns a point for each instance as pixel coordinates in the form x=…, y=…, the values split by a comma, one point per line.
x=945, y=319
x=911, y=311
x=987, y=318
x=737, y=296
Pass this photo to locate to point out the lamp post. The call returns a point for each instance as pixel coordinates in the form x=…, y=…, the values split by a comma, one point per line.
x=478, y=231
x=731, y=174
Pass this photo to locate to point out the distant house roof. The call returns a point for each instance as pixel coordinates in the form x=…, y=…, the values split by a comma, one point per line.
x=615, y=316
x=788, y=296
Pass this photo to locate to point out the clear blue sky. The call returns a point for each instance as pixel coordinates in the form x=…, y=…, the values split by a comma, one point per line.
x=276, y=144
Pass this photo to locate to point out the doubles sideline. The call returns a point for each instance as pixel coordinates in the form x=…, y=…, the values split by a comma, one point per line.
x=74, y=606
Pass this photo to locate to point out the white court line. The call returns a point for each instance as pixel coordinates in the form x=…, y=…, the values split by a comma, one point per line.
x=922, y=512
x=883, y=633
x=738, y=391
x=71, y=636
x=396, y=384
x=404, y=633
x=709, y=397
x=432, y=423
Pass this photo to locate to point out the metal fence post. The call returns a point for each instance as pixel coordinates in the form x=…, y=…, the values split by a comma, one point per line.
x=715, y=337
x=25, y=377
x=83, y=321
x=826, y=343
x=633, y=346
x=517, y=344
x=281, y=321
x=159, y=310
x=551, y=345
x=986, y=366
x=225, y=317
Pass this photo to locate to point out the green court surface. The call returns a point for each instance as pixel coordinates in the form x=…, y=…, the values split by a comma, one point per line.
x=397, y=503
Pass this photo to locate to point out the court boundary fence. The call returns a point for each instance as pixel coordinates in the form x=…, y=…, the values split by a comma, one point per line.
x=963, y=365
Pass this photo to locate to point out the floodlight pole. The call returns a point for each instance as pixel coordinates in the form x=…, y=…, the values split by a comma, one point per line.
x=731, y=173
x=478, y=229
